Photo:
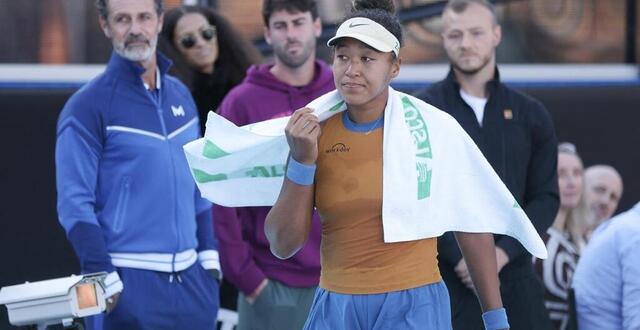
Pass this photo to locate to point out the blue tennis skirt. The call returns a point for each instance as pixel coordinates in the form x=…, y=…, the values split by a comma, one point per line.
x=425, y=307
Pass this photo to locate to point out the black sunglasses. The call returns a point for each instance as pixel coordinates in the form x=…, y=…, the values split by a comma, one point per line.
x=189, y=40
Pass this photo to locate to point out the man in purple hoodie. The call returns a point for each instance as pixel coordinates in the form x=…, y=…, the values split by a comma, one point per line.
x=274, y=293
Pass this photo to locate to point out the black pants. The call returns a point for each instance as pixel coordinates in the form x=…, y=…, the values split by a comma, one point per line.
x=228, y=295
x=522, y=296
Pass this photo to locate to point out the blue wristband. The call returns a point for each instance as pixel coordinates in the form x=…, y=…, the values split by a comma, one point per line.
x=299, y=173
x=495, y=319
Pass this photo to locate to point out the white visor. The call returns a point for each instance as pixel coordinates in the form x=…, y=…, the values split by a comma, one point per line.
x=369, y=32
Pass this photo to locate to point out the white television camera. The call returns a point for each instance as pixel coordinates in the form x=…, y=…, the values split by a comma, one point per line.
x=54, y=301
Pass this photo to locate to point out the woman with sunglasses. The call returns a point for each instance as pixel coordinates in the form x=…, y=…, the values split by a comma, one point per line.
x=209, y=55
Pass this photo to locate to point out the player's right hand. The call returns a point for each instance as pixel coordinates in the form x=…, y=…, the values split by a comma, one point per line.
x=302, y=133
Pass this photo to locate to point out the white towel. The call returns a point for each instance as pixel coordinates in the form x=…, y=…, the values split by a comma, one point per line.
x=435, y=179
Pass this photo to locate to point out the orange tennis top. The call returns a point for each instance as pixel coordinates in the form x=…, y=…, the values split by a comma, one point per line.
x=348, y=195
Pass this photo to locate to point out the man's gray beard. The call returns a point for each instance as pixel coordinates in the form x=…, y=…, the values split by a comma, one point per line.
x=136, y=54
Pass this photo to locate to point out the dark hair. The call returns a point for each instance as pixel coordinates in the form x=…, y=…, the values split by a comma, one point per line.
x=459, y=6
x=103, y=10
x=235, y=53
x=379, y=11
x=291, y=6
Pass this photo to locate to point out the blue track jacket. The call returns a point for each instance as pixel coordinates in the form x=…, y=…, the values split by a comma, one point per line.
x=126, y=197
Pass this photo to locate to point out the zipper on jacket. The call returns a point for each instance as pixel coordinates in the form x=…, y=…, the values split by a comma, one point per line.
x=159, y=112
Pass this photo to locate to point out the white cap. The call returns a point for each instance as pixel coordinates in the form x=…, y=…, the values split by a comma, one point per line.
x=369, y=32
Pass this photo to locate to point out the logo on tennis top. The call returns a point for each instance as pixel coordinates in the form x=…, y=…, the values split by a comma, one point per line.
x=338, y=147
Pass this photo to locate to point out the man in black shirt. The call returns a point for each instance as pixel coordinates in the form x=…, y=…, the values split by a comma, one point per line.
x=516, y=135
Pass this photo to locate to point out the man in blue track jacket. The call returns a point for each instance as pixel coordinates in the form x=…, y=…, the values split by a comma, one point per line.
x=126, y=197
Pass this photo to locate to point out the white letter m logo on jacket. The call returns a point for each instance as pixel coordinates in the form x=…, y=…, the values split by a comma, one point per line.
x=177, y=111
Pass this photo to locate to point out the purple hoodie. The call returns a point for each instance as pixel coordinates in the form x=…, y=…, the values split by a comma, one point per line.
x=244, y=250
